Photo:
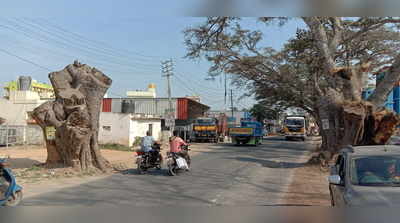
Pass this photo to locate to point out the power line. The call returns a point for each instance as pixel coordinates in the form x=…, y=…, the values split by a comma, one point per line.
x=65, y=45
x=25, y=60
x=79, y=36
x=88, y=45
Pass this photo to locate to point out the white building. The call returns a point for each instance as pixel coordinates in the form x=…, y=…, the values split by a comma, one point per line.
x=150, y=93
x=123, y=128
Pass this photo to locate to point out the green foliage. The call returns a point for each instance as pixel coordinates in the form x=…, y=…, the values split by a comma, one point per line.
x=262, y=112
x=138, y=141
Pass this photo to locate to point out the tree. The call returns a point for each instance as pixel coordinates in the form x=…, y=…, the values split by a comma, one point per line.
x=262, y=112
x=321, y=70
x=74, y=115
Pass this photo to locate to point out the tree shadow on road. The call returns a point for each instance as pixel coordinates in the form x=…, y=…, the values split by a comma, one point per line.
x=270, y=164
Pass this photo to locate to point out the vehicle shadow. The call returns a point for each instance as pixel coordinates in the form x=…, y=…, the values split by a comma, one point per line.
x=152, y=172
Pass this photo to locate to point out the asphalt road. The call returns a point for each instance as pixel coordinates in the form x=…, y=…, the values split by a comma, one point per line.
x=226, y=176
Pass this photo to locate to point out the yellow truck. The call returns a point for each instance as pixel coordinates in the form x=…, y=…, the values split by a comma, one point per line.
x=205, y=130
x=295, y=127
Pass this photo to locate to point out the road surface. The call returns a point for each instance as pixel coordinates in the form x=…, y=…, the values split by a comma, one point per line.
x=227, y=175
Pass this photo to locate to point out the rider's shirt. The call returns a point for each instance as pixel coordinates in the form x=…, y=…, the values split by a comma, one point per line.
x=175, y=144
x=147, y=142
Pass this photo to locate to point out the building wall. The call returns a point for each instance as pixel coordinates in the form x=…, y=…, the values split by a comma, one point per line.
x=140, y=127
x=15, y=114
x=122, y=129
x=114, y=128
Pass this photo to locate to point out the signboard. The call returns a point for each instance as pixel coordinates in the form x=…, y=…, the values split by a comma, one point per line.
x=50, y=133
x=325, y=124
x=170, y=119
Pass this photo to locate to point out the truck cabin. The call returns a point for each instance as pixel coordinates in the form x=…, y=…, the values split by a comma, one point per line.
x=295, y=121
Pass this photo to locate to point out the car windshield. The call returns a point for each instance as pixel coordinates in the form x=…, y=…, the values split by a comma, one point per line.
x=294, y=122
x=376, y=171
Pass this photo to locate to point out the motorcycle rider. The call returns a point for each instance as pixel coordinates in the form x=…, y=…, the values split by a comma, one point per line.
x=147, y=146
x=175, y=144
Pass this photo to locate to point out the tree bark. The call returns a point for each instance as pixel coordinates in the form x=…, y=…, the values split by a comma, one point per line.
x=74, y=114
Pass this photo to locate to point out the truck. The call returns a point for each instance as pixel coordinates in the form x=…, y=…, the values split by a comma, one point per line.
x=205, y=129
x=249, y=133
x=295, y=127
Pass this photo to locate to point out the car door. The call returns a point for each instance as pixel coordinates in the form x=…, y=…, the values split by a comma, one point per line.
x=338, y=190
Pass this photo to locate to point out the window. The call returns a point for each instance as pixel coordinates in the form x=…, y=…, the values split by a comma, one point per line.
x=151, y=129
x=106, y=128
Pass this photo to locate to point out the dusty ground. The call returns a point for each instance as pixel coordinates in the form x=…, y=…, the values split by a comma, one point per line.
x=35, y=180
x=309, y=185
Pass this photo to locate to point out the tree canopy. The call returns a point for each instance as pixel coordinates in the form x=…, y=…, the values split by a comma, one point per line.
x=322, y=69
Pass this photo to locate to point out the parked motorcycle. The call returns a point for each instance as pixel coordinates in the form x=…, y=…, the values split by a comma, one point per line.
x=10, y=191
x=145, y=160
x=178, y=163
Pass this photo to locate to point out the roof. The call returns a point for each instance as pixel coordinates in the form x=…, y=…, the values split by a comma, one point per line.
x=376, y=150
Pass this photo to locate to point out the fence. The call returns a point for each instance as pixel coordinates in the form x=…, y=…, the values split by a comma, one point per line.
x=20, y=135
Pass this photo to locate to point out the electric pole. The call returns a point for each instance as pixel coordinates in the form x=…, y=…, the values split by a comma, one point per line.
x=167, y=70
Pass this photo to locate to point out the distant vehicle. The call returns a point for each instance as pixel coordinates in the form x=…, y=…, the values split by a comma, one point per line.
x=205, y=130
x=178, y=163
x=249, y=132
x=295, y=127
x=145, y=160
x=394, y=140
x=366, y=176
x=10, y=191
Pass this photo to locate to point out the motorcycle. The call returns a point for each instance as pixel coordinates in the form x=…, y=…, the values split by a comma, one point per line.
x=145, y=160
x=178, y=163
x=10, y=192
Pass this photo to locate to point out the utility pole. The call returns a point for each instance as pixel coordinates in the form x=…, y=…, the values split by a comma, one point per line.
x=167, y=70
x=232, y=101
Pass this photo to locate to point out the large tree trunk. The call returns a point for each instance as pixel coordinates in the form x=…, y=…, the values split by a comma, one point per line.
x=345, y=119
x=74, y=115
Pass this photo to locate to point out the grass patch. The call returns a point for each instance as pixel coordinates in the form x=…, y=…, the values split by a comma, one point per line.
x=117, y=147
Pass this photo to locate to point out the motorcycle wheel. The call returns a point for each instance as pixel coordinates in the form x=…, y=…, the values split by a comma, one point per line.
x=140, y=169
x=172, y=170
x=14, y=200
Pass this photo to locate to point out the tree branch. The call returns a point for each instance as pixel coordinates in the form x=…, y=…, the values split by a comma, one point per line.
x=383, y=89
x=323, y=44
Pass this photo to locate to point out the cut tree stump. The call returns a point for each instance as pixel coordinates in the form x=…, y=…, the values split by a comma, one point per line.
x=70, y=123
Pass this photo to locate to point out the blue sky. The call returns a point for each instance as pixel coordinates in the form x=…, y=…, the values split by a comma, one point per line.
x=126, y=41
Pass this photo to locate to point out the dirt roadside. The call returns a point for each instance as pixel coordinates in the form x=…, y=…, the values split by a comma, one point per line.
x=35, y=180
x=309, y=186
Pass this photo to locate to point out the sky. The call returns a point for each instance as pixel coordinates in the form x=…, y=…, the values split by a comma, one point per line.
x=127, y=41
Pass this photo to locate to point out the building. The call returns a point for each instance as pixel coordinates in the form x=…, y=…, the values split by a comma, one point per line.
x=232, y=120
x=150, y=93
x=34, y=89
x=393, y=101
x=123, y=119
x=125, y=128
x=21, y=97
